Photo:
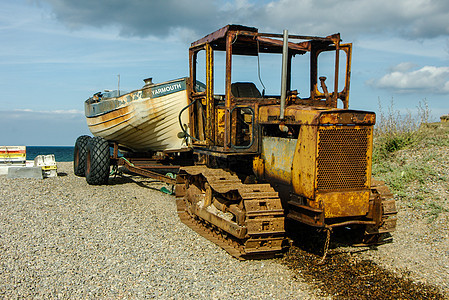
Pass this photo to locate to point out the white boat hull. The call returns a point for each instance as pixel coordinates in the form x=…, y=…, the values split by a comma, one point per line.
x=143, y=120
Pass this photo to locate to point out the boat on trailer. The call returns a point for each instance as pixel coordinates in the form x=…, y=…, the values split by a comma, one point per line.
x=142, y=120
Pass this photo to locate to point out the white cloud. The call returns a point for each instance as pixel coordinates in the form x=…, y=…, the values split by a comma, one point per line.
x=403, y=67
x=135, y=17
x=37, y=116
x=407, y=18
x=405, y=78
x=69, y=111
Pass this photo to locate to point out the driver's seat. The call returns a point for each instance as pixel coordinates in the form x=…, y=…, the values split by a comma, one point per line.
x=245, y=90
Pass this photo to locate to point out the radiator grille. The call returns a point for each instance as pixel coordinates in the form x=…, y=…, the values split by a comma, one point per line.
x=342, y=158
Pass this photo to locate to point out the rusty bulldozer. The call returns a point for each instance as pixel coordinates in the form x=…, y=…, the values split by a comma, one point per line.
x=262, y=159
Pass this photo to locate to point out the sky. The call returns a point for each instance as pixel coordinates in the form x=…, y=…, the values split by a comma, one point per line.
x=55, y=54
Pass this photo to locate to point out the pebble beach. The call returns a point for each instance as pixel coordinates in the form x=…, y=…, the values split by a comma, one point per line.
x=61, y=238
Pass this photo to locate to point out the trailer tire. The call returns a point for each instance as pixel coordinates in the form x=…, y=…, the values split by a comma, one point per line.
x=79, y=155
x=97, y=161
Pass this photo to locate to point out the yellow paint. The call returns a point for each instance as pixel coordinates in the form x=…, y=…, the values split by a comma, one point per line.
x=210, y=122
x=49, y=167
x=277, y=154
x=12, y=155
x=347, y=118
x=369, y=154
x=304, y=162
x=344, y=204
x=220, y=126
x=294, y=113
x=258, y=167
x=347, y=48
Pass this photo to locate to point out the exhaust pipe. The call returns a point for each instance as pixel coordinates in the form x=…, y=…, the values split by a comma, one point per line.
x=284, y=74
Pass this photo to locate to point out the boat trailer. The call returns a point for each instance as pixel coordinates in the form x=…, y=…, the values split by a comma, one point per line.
x=155, y=167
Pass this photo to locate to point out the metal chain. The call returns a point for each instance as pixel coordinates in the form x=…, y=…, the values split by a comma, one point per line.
x=326, y=245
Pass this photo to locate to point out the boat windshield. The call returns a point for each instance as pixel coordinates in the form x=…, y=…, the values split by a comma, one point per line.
x=113, y=94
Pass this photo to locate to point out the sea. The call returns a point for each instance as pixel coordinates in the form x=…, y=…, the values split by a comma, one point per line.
x=62, y=153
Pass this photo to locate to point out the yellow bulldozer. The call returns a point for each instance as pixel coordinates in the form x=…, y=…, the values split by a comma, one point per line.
x=263, y=157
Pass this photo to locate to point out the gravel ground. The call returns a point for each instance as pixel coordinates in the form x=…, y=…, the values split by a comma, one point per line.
x=61, y=238
x=421, y=240
x=420, y=248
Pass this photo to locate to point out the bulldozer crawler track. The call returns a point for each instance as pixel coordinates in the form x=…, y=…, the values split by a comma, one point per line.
x=264, y=217
x=389, y=212
x=374, y=234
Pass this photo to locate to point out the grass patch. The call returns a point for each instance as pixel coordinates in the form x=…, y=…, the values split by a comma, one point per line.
x=434, y=211
x=395, y=132
x=412, y=156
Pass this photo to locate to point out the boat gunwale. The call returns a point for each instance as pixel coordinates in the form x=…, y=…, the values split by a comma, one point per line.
x=132, y=100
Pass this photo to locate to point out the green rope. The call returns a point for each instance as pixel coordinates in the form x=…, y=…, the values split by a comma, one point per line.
x=127, y=161
x=171, y=175
x=164, y=189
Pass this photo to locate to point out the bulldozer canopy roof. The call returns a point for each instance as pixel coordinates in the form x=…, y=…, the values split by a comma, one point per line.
x=248, y=41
